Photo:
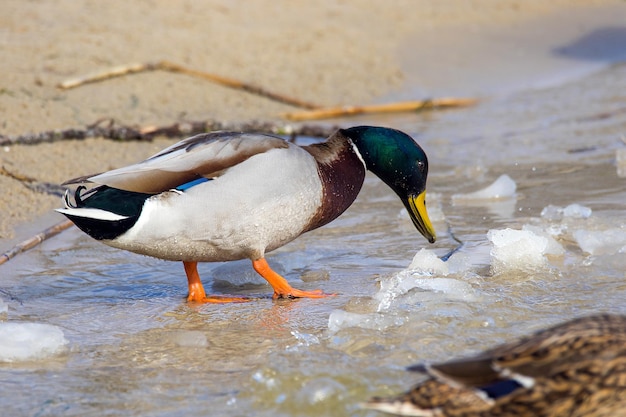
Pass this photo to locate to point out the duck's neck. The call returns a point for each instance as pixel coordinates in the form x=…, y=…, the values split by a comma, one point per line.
x=341, y=171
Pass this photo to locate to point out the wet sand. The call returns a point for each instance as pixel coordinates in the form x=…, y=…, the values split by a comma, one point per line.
x=329, y=53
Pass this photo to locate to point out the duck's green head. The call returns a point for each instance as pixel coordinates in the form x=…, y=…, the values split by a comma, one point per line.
x=400, y=162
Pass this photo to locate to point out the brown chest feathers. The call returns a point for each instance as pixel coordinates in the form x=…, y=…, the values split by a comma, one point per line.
x=342, y=173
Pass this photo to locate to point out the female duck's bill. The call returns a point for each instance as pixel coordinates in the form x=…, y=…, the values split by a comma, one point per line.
x=224, y=196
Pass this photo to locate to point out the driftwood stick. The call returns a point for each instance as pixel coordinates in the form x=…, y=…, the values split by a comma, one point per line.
x=404, y=106
x=123, y=70
x=236, y=84
x=107, y=74
x=34, y=241
x=125, y=133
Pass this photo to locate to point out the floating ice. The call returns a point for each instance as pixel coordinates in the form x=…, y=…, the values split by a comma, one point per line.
x=425, y=281
x=393, y=290
x=340, y=319
x=601, y=242
x=304, y=340
x=29, y=341
x=426, y=261
x=553, y=247
x=502, y=188
x=517, y=250
x=574, y=211
x=577, y=211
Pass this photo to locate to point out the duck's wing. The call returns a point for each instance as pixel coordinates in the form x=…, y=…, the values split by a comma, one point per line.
x=505, y=368
x=205, y=155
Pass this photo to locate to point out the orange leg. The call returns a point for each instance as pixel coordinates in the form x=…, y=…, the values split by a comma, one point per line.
x=196, y=290
x=282, y=289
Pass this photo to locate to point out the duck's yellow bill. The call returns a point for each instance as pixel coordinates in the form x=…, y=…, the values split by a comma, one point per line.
x=419, y=216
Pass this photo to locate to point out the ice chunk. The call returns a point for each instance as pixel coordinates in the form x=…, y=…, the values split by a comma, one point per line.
x=304, y=339
x=426, y=261
x=340, y=319
x=553, y=247
x=29, y=341
x=601, y=242
x=394, y=288
x=552, y=213
x=577, y=211
x=556, y=213
x=502, y=188
x=516, y=250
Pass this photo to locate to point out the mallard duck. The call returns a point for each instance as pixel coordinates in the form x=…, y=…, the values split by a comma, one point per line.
x=575, y=369
x=225, y=196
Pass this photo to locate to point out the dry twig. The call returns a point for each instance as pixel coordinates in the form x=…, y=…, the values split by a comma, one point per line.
x=125, y=133
x=403, y=106
x=121, y=70
x=34, y=241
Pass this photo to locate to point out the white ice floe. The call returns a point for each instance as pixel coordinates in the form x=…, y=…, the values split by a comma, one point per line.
x=428, y=273
x=502, y=188
x=413, y=287
x=499, y=198
x=517, y=250
x=341, y=319
x=601, y=242
x=553, y=247
x=426, y=261
x=426, y=280
x=573, y=211
x=30, y=341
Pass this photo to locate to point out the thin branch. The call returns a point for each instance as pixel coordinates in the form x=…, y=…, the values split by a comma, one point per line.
x=34, y=184
x=34, y=241
x=147, y=133
x=405, y=106
x=121, y=70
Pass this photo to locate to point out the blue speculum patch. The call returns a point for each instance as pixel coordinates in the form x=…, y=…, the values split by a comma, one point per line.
x=190, y=184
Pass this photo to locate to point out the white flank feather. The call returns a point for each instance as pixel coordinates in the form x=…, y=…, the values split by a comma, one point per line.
x=92, y=213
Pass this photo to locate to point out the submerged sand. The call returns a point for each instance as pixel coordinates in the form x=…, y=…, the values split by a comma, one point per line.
x=329, y=52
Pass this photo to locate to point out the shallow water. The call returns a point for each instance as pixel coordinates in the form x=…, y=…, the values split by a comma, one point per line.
x=136, y=348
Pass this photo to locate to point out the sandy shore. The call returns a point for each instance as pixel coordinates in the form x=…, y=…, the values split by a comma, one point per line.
x=329, y=52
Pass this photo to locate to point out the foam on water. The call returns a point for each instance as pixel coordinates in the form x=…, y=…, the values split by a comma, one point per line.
x=30, y=341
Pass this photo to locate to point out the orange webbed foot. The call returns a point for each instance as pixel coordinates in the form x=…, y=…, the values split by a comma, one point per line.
x=218, y=299
x=282, y=289
x=295, y=293
x=196, y=290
